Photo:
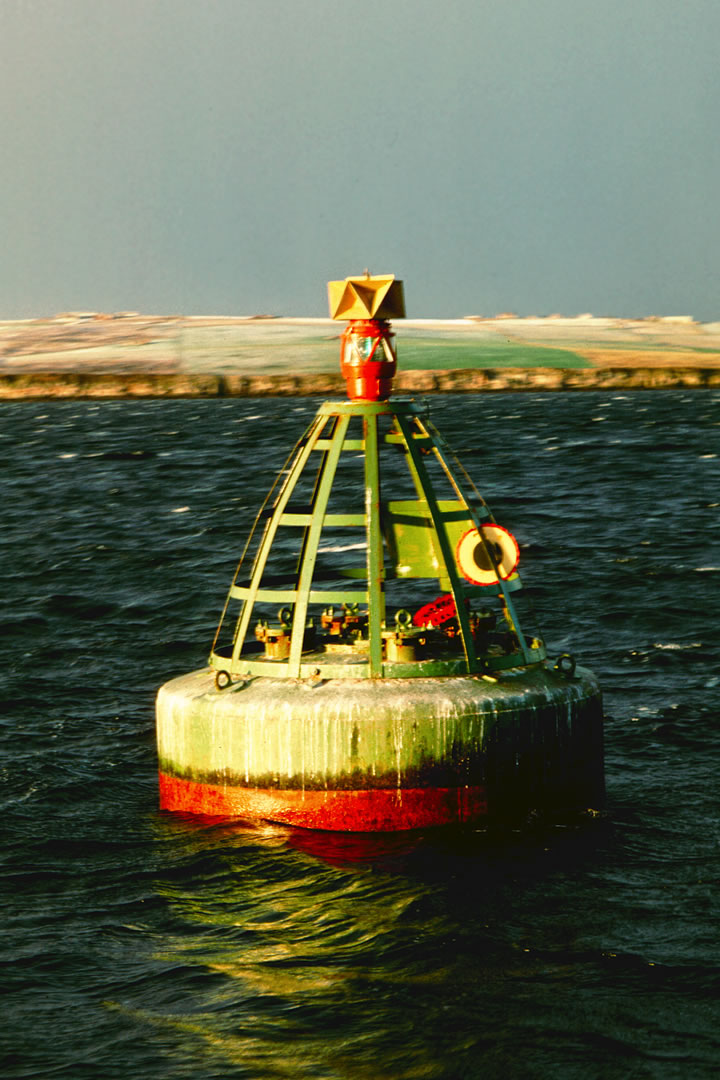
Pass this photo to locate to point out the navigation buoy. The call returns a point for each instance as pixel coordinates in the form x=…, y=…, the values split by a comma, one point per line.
x=350, y=695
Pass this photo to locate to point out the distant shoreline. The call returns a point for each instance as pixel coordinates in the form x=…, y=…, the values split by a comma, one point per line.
x=20, y=386
x=91, y=355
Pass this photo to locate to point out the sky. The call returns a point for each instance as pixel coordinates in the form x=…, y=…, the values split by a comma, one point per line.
x=231, y=156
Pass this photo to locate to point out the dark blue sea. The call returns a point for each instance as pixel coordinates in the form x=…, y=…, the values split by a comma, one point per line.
x=136, y=944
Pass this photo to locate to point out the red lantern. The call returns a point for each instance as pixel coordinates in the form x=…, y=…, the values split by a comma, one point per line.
x=368, y=360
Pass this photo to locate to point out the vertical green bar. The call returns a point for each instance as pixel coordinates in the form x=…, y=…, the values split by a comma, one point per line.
x=313, y=539
x=507, y=599
x=447, y=554
x=375, y=561
x=266, y=543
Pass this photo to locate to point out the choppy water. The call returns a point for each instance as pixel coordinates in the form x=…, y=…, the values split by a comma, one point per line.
x=135, y=944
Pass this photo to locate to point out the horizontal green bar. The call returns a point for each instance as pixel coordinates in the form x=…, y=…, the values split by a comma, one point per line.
x=276, y=669
x=277, y=583
x=315, y=595
x=366, y=408
x=355, y=669
x=273, y=596
x=339, y=596
x=331, y=520
x=463, y=514
x=295, y=519
x=286, y=596
x=358, y=520
x=349, y=444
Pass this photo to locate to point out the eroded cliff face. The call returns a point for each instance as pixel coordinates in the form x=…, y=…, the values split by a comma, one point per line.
x=68, y=384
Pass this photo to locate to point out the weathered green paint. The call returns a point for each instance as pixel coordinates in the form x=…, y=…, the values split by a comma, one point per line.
x=369, y=733
x=312, y=541
x=362, y=408
x=447, y=553
x=267, y=540
x=375, y=564
x=409, y=531
x=478, y=511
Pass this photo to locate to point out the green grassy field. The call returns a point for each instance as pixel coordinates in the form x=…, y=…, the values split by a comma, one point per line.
x=417, y=354
x=272, y=348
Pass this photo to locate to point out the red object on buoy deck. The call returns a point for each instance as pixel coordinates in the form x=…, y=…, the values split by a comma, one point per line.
x=326, y=704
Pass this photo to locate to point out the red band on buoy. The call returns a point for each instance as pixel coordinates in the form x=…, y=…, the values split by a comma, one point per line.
x=380, y=810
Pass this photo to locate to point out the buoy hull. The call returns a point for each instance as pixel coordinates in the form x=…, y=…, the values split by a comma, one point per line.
x=381, y=755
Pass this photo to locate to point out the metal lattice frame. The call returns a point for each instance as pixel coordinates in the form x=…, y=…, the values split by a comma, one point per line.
x=328, y=436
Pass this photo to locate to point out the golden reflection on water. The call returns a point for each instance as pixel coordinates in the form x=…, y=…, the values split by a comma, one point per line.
x=308, y=951
x=294, y=954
